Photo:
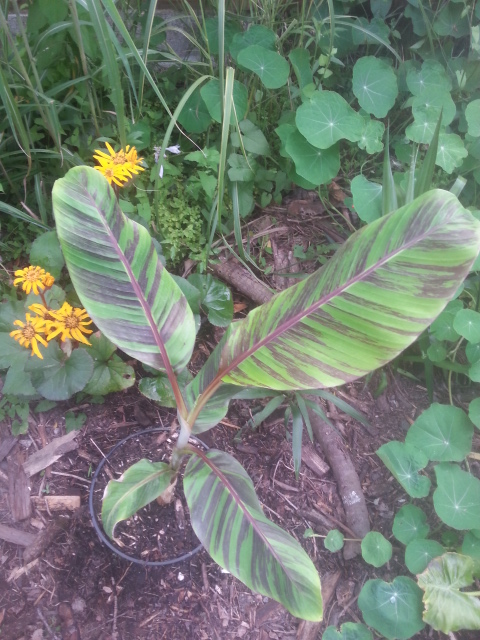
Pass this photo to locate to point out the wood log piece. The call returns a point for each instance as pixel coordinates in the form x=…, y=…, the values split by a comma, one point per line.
x=16, y=536
x=56, y=503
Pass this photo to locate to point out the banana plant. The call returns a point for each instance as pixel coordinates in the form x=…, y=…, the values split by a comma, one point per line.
x=381, y=289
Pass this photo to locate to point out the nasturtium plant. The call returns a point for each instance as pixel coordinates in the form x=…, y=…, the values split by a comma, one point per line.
x=394, y=609
x=272, y=69
x=467, y=324
x=471, y=544
x=296, y=341
x=457, y=497
x=442, y=432
x=367, y=198
x=405, y=462
x=374, y=85
x=474, y=412
x=448, y=607
x=334, y=540
x=318, y=166
x=419, y=552
x=376, y=549
x=410, y=523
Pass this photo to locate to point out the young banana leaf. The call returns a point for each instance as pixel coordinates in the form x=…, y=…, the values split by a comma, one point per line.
x=368, y=303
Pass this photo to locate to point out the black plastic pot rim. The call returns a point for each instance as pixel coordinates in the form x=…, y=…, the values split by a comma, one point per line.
x=96, y=524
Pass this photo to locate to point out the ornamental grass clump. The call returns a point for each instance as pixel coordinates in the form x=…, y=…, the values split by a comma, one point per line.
x=68, y=323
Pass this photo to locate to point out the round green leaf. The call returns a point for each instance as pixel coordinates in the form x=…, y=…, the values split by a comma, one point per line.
x=348, y=631
x=442, y=326
x=376, y=549
x=404, y=462
x=451, y=151
x=410, y=523
x=474, y=371
x=57, y=376
x=457, y=497
x=210, y=93
x=474, y=412
x=367, y=198
x=472, y=351
x=436, y=352
x=423, y=127
x=374, y=85
x=334, y=540
x=230, y=29
x=429, y=80
x=447, y=608
x=452, y=21
x=419, y=553
x=433, y=104
x=257, y=34
x=472, y=115
x=372, y=134
x=326, y=118
x=467, y=324
x=318, y=166
x=471, y=544
x=195, y=116
x=442, y=433
x=272, y=69
x=394, y=609
x=46, y=253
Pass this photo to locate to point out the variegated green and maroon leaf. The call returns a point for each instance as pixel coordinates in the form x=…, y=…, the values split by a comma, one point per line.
x=117, y=275
x=143, y=482
x=382, y=288
x=227, y=518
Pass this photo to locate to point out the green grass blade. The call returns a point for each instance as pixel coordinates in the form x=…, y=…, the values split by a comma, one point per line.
x=424, y=182
x=16, y=213
x=14, y=118
x=389, y=192
x=147, y=34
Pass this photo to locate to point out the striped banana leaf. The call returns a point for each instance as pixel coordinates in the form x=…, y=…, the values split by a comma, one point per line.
x=228, y=519
x=143, y=482
x=382, y=288
x=117, y=275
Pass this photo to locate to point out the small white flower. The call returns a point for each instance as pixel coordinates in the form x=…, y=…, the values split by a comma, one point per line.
x=175, y=149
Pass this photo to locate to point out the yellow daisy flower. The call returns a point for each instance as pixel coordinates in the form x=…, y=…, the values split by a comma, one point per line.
x=29, y=333
x=121, y=165
x=48, y=280
x=44, y=313
x=31, y=278
x=70, y=322
x=113, y=173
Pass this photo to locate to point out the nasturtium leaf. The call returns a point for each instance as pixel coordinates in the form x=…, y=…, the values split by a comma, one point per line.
x=210, y=93
x=394, y=609
x=334, y=540
x=372, y=134
x=457, y=497
x=58, y=376
x=433, y=104
x=230, y=29
x=283, y=131
x=257, y=34
x=472, y=351
x=442, y=326
x=471, y=544
x=348, y=631
x=474, y=372
x=404, y=462
x=447, y=607
x=300, y=61
x=367, y=198
x=195, y=116
x=318, y=166
x=110, y=372
x=364, y=32
x=215, y=297
x=451, y=151
x=442, y=432
x=410, y=523
x=474, y=412
x=272, y=69
x=452, y=21
x=46, y=253
x=141, y=483
x=419, y=553
x=472, y=115
x=374, y=85
x=423, y=127
x=326, y=118
x=430, y=79
x=437, y=352
x=253, y=139
x=467, y=324
x=228, y=519
x=376, y=549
